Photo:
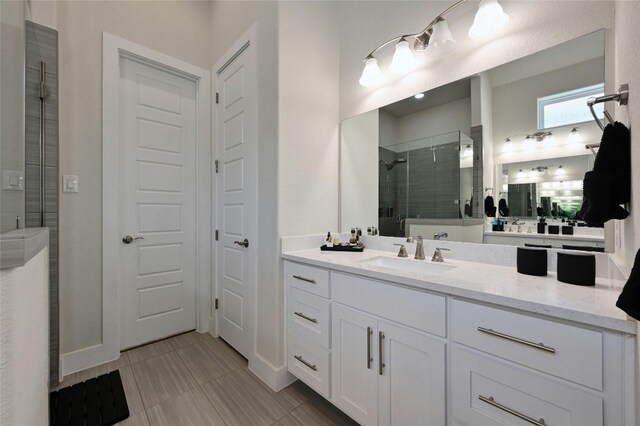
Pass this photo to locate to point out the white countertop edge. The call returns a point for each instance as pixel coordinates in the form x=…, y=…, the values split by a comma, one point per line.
x=618, y=324
x=19, y=246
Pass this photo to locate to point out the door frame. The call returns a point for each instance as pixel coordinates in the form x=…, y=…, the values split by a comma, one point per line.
x=114, y=49
x=246, y=41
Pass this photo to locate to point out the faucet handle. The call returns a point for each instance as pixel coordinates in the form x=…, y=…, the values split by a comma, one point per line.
x=403, y=251
x=442, y=248
x=409, y=240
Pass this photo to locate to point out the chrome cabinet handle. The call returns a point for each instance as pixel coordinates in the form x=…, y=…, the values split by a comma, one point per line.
x=369, y=359
x=517, y=340
x=380, y=349
x=511, y=411
x=301, y=315
x=244, y=243
x=311, y=366
x=309, y=280
x=128, y=239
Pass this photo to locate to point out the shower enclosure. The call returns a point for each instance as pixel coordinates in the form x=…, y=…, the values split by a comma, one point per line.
x=427, y=178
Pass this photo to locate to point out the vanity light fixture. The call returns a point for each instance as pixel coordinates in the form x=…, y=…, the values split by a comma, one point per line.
x=508, y=145
x=528, y=142
x=419, y=96
x=488, y=21
x=574, y=136
x=403, y=60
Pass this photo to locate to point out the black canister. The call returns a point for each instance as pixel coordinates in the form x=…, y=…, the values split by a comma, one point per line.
x=577, y=268
x=567, y=230
x=541, y=227
x=554, y=229
x=532, y=261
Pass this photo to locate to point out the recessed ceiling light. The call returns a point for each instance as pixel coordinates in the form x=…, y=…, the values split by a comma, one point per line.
x=419, y=96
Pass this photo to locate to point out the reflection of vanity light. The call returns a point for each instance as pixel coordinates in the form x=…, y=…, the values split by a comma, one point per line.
x=508, y=145
x=549, y=139
x=419, y=96
x=546, y=184
x=403, y=60
x=533, y=173
x=574, y=136
x=505, y=188
x=556, y=184
x=567, y=192
x=560, y=171
x=468, y=151
x=565, y=184
x=528, y=142
x=577, y=184
x=520, y=173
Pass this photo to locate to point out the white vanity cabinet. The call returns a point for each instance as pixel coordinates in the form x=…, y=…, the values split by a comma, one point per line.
x=388, y=354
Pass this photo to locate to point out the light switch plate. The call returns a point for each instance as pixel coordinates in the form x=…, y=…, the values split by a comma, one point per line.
x=12, y=181
x=69, y=183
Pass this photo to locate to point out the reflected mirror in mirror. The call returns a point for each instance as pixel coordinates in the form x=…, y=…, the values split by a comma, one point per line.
x=416, y=167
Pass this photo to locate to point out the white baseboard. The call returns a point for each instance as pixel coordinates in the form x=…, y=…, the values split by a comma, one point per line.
x=85, y=358
x=276, y=378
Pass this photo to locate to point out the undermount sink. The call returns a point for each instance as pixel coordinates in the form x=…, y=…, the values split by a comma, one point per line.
x=409, y=265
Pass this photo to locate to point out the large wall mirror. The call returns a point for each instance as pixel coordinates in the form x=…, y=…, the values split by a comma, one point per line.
x=516, y=133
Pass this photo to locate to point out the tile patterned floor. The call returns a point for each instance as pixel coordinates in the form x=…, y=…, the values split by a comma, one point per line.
x=195, y=379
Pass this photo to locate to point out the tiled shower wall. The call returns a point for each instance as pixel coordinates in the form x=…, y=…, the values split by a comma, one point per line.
x=42, y=46
x=478, y=173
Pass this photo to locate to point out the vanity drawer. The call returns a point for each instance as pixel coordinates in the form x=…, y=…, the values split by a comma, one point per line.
x=309, y=316
x=562, y=350
x=309, y=363
x=417, y=309
x=486, y=391
x=308, y=278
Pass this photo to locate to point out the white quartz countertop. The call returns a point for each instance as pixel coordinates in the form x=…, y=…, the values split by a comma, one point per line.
x=500, y=285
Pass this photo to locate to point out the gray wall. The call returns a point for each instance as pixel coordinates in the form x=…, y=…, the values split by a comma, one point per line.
x=42, y=46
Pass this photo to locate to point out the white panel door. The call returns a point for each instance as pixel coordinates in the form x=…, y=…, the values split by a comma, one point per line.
x=354, y=364
x=157, y=280
x=412, y=382
x=237, y=202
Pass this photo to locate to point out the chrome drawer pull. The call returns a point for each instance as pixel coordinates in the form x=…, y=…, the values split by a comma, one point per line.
x=369, y=359
x=309, y=280
x=311, y=366
x=517, y=340
x=301, y=315
x=492, y=401
x=380, y=349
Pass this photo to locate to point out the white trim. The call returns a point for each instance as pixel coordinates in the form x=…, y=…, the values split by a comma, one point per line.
x=248, y=41
x=277, y=378
x=114, y=48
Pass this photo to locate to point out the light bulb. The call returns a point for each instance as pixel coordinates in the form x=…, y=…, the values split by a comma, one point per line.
x=520, y=174
x=489, y=20
x=441, y=36
x=371, y=74
x=560, y=171
x=403, y=60
x=528, y=142
x=468, y=151
x=549, y=139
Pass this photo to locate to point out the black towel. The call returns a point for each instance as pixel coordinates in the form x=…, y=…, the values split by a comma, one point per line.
x=609, y=184
x=629, y=300
x=467, y=209
x=489, y=207
x=502, y=208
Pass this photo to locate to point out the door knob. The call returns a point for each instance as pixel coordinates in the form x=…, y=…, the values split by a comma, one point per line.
x=128, y=239
x=244, y=243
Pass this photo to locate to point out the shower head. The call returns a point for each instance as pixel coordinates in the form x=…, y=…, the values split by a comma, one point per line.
x=394, y=163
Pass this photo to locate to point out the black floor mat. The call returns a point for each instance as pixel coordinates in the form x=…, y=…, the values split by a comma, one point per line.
x=96, y=402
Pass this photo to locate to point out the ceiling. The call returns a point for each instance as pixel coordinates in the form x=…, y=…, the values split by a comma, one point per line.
x=457, y=90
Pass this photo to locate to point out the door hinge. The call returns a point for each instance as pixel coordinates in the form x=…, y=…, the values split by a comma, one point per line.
x=217, y=97
x=215, y=305
x=216, y=163
x=216, y=235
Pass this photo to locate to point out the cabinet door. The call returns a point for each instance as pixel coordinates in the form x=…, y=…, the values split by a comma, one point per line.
x=411, y=377
x=354, y=374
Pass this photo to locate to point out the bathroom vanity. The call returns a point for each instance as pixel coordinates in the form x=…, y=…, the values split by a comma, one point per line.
x=395, y=341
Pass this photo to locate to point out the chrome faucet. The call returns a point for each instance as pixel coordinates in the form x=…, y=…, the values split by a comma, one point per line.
x=419, y=249
x=440, y=235
x=403, y=251
x=437, y=255
x=515, y=221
